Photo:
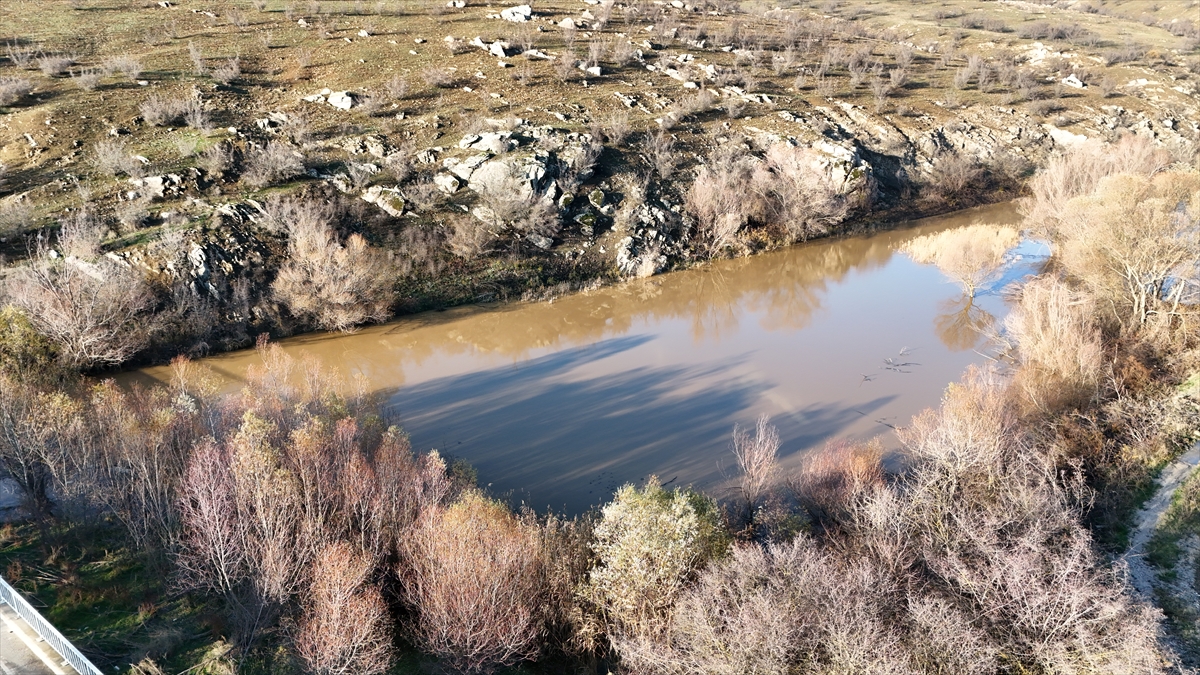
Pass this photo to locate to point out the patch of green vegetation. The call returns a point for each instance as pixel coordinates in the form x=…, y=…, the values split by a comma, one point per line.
x=1181, y=522
x=117, y=607
x=1183, y=619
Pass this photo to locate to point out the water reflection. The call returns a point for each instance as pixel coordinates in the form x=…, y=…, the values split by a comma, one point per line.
x=962, y=324
x=557, y=403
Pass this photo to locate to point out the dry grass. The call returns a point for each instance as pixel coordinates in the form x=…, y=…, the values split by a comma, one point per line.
x=271, y=164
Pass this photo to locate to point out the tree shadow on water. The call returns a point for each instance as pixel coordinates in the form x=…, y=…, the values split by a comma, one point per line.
x=543, y=435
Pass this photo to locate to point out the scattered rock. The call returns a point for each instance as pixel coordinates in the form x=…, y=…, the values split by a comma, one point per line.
x=518, y=14
x=463, y=169
x=496, y=142
x=446, y=183
x=519, y=178
x=1073, y=81
x=388, y=199
x=342, y=100
x=596, y=198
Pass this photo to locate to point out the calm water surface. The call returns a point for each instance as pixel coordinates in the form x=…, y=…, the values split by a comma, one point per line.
x=558, y=403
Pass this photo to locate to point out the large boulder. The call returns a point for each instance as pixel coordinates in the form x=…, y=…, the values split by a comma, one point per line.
x=519, y=178
x=388, y=199
x=518, y=14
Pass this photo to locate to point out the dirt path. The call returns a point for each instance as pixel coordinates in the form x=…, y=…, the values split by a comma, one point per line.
x=1151, y=514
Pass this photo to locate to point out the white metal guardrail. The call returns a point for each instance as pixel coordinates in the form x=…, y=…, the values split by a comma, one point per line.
x=46, y=631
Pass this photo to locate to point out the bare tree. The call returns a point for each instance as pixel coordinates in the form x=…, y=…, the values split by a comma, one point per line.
x=336, y=285
x=1134, y=242
x=344, y=630
x=96, y=314
x=756, y=457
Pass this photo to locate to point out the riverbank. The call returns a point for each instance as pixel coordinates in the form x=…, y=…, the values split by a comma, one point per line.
x=730, y=132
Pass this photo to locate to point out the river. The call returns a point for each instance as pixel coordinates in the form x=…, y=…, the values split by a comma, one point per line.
x=557, y=403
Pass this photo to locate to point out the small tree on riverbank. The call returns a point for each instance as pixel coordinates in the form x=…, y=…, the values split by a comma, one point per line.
x=336, y=285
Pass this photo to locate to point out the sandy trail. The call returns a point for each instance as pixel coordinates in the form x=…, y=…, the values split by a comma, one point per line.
x=1151, y=515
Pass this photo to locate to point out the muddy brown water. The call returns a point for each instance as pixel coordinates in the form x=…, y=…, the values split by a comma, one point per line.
x=558, y=403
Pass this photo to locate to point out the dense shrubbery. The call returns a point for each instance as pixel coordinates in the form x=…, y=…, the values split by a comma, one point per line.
x=335, y=285
x=788, y=190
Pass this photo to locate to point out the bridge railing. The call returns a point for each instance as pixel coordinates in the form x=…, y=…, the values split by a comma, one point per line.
x=46, y=631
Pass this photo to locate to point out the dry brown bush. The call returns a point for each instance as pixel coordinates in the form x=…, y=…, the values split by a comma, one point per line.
x=437, y=77
x=13, y=89
x=834, y=477
x=55, y=66
x=996, y=525
x=96, y=314
x=228, y=72
x=126, y=65
x=20, y=55
x=1078, y=171
x=476, y=580
x=953, y=174
x=660, y=152
x=469, y=237
x=969, y=255
x=564, y=66
x=1059, y=343
x=344, y=630
x=724, y=198
x=275, y=162
x=613, y=128
x=86, y=79
x=1134, y=243
x=781, y=608
x=113, y=157
x=335, y=285
x=79, y=234
x=215, y=160
x=160, y=111
x=291, y=465
x=397, y=87
x=15, y=218
x=788, y=191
